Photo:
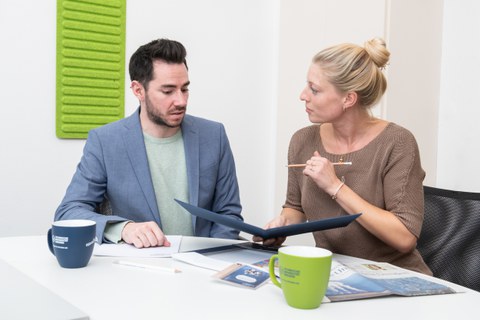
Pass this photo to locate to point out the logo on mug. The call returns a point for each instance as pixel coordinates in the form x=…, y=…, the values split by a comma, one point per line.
x=59, y=242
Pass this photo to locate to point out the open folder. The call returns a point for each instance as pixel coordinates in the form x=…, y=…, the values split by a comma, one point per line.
x=290, y=230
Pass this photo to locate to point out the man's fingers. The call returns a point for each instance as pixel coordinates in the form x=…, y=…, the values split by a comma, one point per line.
x=166, y=243
x=144, y=235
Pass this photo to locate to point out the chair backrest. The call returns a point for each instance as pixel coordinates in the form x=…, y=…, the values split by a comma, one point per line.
x=450, y=238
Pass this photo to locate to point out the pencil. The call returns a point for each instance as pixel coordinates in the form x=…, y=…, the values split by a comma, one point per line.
x=348, y=163
x=146, y=266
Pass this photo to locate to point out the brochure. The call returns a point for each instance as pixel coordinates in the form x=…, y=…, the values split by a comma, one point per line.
x=350, y=281
x=285, y=231
x=243, y=275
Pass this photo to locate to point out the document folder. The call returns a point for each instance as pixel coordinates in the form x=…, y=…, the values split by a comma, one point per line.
x=290, y=230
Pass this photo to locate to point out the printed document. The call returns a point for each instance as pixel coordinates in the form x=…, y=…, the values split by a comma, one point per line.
x=128, y=250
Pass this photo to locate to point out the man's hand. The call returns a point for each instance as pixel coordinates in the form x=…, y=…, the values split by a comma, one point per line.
x=144, y=235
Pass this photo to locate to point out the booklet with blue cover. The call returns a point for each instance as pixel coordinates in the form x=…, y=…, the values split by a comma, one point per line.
x=285, y=231
x=243, y=275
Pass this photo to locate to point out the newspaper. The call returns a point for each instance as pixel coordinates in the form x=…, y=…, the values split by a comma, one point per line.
x=360, y=280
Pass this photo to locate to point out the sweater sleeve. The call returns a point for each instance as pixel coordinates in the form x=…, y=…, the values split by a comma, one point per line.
x=294, y=195
x=403, y=182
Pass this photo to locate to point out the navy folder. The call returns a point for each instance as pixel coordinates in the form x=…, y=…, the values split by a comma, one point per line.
x=290, y=230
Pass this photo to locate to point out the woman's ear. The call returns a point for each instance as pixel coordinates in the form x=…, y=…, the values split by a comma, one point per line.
x=349, y=100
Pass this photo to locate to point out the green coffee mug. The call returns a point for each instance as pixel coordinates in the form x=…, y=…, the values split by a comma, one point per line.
x=304, y=274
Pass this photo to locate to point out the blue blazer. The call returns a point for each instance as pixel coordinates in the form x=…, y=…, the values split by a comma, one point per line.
x=114, y=165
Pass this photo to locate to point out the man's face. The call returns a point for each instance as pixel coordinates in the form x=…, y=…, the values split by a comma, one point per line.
x=165, y=99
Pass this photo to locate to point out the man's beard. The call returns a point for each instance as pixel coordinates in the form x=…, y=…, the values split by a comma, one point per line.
x=159, y=119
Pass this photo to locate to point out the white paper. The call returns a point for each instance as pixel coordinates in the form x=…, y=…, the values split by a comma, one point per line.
x=128, y=250
x=200, y=260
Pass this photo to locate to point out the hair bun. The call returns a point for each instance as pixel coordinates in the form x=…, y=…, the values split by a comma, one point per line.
x=377, y=50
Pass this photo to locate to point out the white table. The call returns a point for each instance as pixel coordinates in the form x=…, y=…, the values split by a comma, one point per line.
x=107, y=291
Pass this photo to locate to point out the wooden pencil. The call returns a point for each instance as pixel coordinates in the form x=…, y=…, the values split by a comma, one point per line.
x=299, y=165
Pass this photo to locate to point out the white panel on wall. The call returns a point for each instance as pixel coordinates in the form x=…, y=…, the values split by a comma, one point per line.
x=459, y=130
x=412, y=99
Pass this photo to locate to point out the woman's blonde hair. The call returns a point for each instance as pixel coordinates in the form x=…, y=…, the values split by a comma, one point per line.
x=350, y=67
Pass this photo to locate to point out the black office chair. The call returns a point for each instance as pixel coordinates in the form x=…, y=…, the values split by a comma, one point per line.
x=450, y=238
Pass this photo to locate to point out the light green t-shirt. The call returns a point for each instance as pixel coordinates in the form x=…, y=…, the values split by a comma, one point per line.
x=168, y=168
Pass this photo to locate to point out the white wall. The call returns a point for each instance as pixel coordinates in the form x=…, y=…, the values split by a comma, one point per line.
x=232, y=58
x=247, y=62
x=34, y=165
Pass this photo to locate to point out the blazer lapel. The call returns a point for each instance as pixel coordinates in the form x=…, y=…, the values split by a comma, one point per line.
x=135, y=146
x=192, y=155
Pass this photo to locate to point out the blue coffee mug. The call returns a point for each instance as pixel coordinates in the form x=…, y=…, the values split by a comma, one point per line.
x=72, y=242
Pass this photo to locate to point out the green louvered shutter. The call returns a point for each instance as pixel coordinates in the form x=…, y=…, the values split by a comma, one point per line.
x=90, y=65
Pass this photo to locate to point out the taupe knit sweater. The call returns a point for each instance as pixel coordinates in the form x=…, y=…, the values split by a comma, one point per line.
x=387, y=173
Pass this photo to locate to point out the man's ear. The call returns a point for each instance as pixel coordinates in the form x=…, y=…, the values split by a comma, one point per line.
x=138, y=90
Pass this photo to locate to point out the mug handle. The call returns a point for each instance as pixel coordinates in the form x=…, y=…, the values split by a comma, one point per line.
x=271, y=269
x=50, y=242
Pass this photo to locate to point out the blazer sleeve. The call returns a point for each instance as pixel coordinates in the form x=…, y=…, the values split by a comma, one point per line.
x=87, y=188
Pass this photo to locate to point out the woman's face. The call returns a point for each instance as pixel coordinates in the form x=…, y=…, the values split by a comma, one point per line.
x=323, y=102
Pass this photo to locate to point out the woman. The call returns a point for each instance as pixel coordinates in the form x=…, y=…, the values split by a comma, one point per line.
x=385, y=177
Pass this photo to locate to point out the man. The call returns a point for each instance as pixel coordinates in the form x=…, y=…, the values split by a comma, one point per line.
x=138, y=165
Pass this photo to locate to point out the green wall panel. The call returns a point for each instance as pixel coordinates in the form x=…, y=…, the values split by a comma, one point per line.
x=90, y=65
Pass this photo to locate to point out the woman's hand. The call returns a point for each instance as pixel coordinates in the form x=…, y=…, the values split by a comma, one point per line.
x=279, y=221
x=321, y=171
x=287, y=216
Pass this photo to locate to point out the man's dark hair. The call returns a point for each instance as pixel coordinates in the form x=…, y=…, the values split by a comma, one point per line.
x=141, y=62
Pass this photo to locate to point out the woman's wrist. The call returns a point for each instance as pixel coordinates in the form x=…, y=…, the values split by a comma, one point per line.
x=334, y=195
x=337, y=189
